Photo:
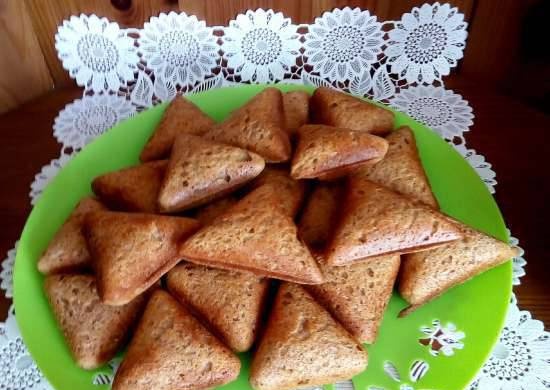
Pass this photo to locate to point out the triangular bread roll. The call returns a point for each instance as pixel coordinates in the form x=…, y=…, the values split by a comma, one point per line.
x=327, y=152
x=303, y=346
x=428, y=274
x=209, y=212
x=230, y=302
x=67, y=251
x=357, y=295
x=320, y=214
x=254, y=236
x=334, y=108
x=201, y=170
x=131, y=251
x=94, y=331
x=296, y=106
x=376, y=221
x=181, y=117
x=172, y=350
x=131, y=189
x=401, y=169
x=281, y=188
x=258, y=126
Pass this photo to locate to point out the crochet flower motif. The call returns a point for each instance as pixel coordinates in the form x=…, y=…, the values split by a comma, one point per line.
x=438, y=108
x=343, y=42
x=178, y=48
x=84, y=119
x=521, y=358
x=261, y=46
x=46, y=174
x=426, y=43
x=96, y=52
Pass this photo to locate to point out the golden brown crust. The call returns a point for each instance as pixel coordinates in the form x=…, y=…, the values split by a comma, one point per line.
x=327, y=152
x=401, y=169
x=334, y=108
x=377, y=221
x=280, y=188
x=67, y=251
x=357, y=295
x=320, y=214
x=181, y=117
x=201, y=170
x=303, y=346
x=256, y=236
x=94, y=331
x=172, y=350
x=209, y=212
x=257, y=126
x=230, y=302
x=296, y=107
x=131, y=251
x=131, y=189
x=426, y=275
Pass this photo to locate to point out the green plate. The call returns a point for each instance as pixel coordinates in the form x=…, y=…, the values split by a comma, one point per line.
x=476, y=308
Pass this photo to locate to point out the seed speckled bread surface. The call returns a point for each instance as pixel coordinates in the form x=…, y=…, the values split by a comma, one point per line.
x=426, y=275
x=131, y=251
x=296, y=106
x=327, y=152
x=303, y=345
x=280, y=188
x=67, y=251
x=181, y=117
x=131, y=189
x=172, y=350
x=376, y=221
x=334, y=108
x=229, y=301
x=94, y=331
x=320, y=214
x=258, y=126
x=201, y=170
x=357, y=294
x=401, y=169
x=254, y=236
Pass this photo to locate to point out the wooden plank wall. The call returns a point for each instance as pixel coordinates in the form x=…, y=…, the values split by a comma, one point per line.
x=29, y=65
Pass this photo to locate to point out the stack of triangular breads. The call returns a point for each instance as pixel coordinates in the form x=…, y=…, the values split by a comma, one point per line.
x=180, y=255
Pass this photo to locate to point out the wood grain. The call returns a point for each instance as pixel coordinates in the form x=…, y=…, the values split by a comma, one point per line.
x=23, y=71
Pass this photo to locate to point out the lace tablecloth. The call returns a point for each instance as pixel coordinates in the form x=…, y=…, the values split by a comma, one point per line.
x=401, y=63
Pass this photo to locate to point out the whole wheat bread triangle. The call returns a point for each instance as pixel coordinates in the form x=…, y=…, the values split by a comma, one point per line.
x=172, y=350
x=426, y=275
x=357, y=294
x=280, y=188
x=258, y=126
x=376, y=221
x=254, y=236
x=181, y=117
x=131, y=251
x=67, y=251
x=320, y=214
x=131, y=189
x=296, y=107
x=303, y=346
x=201, y=170
x=334, y=108
x=230, y=302
x=327, y=152
x=401, y=169
x=94, y=331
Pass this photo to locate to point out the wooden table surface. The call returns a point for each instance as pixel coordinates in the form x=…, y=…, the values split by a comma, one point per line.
x=512, y=136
